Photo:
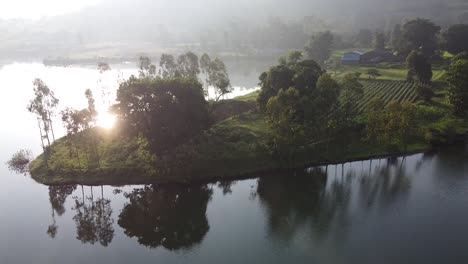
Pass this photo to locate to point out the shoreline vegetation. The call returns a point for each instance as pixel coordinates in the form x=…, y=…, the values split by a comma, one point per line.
x=307, y=113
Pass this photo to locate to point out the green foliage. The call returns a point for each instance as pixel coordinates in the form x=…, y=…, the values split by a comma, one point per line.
x=116, y=154
x=418, y=67
x=216, y=75
x=351, y=88
x=457, y=77
x=393, y=125
x=297, y=119
x=284, y=114
x=168, y=112
x=302, y=75
x=375, y=119
x=425, y=91
x=319, y=47
x=456, y=38
x=419, y=34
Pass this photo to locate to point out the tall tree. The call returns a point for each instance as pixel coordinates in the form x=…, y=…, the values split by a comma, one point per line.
x=375, y=119
x=147, y=68
x=43, y=105
x=319, y=47
x=457, y=77
x=379, y=40
x=188, y=66
x=420, y=34
x=167, y=66
x=216, y=76
x=418, y=67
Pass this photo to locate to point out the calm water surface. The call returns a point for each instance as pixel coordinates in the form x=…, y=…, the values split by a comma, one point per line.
x=405, y=210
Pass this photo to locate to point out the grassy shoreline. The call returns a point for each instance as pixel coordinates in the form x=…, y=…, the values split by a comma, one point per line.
x=119, y=176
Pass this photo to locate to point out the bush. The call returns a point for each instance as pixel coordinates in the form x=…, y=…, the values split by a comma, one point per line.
x=19, y=162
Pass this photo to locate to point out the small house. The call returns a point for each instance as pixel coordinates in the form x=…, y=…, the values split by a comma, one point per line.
x=353, y=57
x=377, y=56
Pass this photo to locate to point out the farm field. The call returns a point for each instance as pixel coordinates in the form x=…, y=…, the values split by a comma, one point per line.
x=388, y=91
x=385, y=73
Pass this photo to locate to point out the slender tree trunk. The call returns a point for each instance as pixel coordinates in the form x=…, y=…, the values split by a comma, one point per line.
x=40, y=132
x=46, y=133
x=51, y=127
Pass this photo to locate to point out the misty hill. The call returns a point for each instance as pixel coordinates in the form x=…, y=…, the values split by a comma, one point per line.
x=118, y=25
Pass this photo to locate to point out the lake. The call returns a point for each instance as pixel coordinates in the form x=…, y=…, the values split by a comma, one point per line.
x=401, y=210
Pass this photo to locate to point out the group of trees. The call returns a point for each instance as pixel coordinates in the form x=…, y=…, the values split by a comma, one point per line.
x=392, y=125
x=167, y=112
x=189, y=65
x=80, y=134
x=166, y=104
x=426, y=37
x=301, y=101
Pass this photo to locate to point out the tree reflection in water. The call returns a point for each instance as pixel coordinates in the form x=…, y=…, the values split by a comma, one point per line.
x=319, y=201
x=173, y=217
x=302, y=200
x=57, y=197
x=93, y=219
x=384, y=184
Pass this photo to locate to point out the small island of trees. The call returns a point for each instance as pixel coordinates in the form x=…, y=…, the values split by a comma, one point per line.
x=308, y=111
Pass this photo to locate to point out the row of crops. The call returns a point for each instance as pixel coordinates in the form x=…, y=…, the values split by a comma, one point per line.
x=388, y=91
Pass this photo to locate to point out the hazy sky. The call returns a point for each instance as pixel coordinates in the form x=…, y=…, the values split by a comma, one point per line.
x=35, y=9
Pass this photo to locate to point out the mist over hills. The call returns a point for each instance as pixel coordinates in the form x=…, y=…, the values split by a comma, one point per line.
x=163, y=23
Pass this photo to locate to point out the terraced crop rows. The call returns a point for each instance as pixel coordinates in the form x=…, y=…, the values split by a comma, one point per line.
x=386, y=90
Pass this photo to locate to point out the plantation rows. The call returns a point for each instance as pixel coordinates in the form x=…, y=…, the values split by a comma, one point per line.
x=386, y=90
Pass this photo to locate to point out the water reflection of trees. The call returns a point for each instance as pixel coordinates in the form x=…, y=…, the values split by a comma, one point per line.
x=300, y=201
x=57, y=197
x=306, y=202
x=93, y=219
x=171, y=217
x=384, y=185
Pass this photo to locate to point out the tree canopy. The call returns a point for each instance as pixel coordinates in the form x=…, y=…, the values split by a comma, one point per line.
x=456, y=38
x=457, y=77
x=418, y=67
x=419, y=34
x=168, y=112
x=300, y=74
x=319, y=47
